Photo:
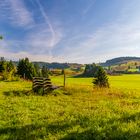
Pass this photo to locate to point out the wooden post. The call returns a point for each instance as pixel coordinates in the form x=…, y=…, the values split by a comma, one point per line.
x=43, y=86
x=64, y=79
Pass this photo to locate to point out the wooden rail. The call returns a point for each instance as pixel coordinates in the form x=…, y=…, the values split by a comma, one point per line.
x=44, y=83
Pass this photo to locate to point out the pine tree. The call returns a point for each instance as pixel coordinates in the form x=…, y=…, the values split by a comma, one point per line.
x=2, y=64
x=101, y=79
x=90, y=70
x=26, y=69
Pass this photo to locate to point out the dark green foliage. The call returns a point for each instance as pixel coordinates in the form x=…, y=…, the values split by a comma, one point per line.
x=56, y=65
x=101, y=79
x=7, y=69
x=29, y=70
x=26, y=69
x=10, y=66
x=90, y=70
x=38, y=72
x=45, y=71
x=2, y=63
x=53, y=65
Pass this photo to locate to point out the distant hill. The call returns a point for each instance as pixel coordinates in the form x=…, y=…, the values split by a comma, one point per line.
x=111, y=62
x=56, y=65
x=119, y=60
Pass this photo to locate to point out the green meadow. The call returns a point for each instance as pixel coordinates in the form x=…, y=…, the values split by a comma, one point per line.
x=77, y=112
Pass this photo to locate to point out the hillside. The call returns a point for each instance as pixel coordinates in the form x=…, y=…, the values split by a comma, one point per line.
x=120, y=60
x=118, y=64
x=56, y=65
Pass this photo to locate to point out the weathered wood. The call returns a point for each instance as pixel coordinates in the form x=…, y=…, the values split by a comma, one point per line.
x=45, y=83
x=64, y=79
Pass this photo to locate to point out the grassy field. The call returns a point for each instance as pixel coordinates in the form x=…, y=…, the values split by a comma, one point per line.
x=78, y=112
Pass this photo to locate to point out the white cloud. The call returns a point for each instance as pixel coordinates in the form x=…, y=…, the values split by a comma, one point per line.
x=112, y=40
x=16, y=12
x=117, y=38
x=32, y=57
x=36, y=44
x=40, y=40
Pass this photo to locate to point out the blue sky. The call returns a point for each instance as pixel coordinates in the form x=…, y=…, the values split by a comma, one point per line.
x=82, y=31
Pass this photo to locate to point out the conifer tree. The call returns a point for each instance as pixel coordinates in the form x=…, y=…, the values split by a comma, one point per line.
x=26, y=69
x=101, y=79
x=2, y=64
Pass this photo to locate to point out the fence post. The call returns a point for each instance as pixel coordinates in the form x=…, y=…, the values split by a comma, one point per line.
x=64, y=78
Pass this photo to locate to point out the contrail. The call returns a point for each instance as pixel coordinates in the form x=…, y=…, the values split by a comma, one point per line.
x=47, y=21
x=89, y=7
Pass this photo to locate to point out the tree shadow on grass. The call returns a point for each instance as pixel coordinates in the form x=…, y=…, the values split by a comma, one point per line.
x=34, y=132
x=90, y=130
x=18, y=93
x=128, y=118
x=110, y=130
x=39, y=93
x=97, y=135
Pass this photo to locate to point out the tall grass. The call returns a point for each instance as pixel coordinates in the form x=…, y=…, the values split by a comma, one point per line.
x=78, y=112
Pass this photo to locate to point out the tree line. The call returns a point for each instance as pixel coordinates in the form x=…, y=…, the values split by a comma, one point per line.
x=27, y=70
x=24, y=69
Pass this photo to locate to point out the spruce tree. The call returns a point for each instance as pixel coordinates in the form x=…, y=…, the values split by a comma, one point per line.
x=101, y=79
x=2, y=64
x=26, y=69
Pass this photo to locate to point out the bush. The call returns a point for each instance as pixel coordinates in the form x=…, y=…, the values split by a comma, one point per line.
x=9, y=71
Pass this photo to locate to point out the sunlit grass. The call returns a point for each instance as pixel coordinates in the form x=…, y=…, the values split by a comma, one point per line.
x=78, y=112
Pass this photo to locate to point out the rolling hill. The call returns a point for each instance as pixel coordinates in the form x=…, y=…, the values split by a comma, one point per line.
x=120, y=60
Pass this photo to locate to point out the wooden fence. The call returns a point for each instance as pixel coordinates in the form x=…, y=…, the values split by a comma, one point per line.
x=40, y=82
x=44, y=83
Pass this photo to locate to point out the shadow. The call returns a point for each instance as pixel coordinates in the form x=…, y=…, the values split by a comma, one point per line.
x=110, y=130
x=90, y=130
x=81, y=76
x=98, y=135
x=8, y=81
x=129, y=118
x=35, y=93
x=86, y=135
x=18, y=93
x=34, y=132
